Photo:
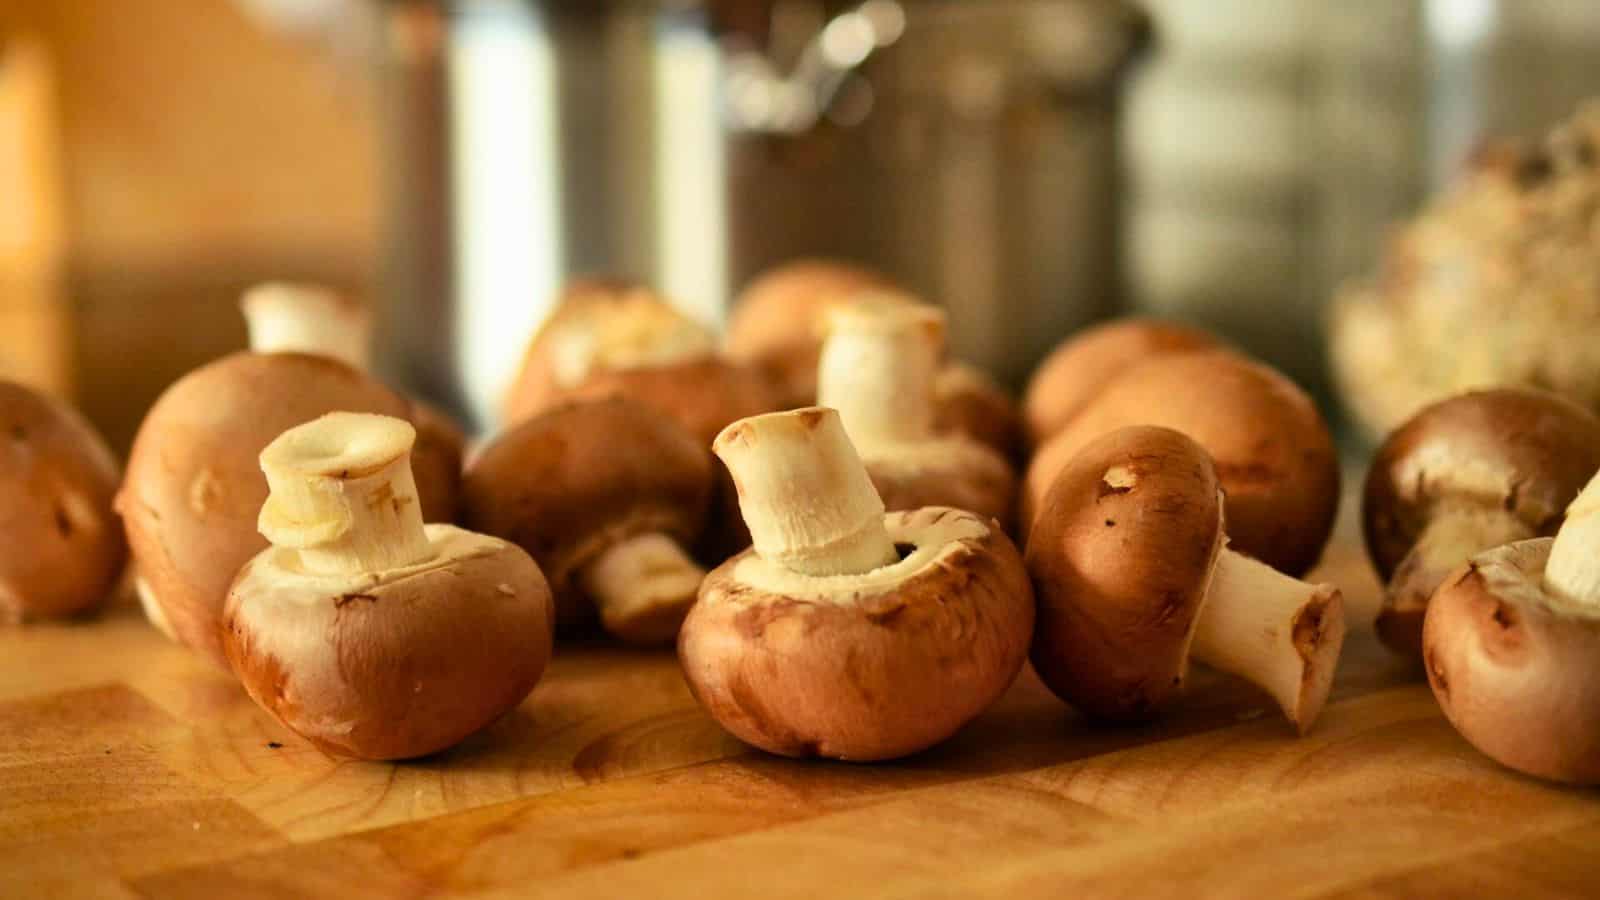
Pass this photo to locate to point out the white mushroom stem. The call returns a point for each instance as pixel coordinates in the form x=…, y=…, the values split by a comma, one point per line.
x=1448, y=540
x=1573, y=571
x=643, y=587
x=878, y=368
x=304, y=318
x=1278, y=633
x=804, y=493
x=342, y=495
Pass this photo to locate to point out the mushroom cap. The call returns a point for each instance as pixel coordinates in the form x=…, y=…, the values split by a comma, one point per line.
x=953, y=471
x=1270, y=447
x=392, y=665
x=436, y=461
x=194, y=485
x=574, y=481
x=626, y=315
x=62, y=549
x=969, y=402
x=863, y=667
x=777, y=321
x=1515, y=669
x=704, y=395
x=1074, y=373
x=1121, y=557
x=1523, y=450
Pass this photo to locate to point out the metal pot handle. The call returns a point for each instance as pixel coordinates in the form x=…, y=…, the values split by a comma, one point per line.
x=763, y=100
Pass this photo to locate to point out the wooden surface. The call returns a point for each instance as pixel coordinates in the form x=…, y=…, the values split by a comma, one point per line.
x=129, y=769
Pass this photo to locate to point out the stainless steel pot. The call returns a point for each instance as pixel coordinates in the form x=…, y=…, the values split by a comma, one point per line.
x=966, y=146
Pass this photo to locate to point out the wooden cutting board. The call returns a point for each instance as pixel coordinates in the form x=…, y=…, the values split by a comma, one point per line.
x=127, y=768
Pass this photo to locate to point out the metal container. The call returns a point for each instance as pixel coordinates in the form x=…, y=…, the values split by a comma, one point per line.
x=967, y=147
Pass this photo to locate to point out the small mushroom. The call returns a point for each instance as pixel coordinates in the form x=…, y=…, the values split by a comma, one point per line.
x=777, y=321
x=781, y=319
x=1511, y=643
x=605, y=494
x=1271, y=448
x=1082, y=365
x=878, y=369
x=845, y=632
x=1466, y=474
x=363, y=630
x=600, y=324
x=193, y=487
x=60, y=548
x=1133, y=577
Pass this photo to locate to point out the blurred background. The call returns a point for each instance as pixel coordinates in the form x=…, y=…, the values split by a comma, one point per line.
x=1032, y=165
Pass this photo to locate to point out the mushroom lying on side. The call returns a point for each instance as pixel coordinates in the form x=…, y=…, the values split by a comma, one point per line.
x=60, y=548
x=605, y=494
x=1464, y=475
x=878, y=368
x=362, y=629
x=1271, y=449
x=1082, y=365
x=193, y=487
x=1133, y=576
x=1512, y=647
x=845, y=632
x=780, y=320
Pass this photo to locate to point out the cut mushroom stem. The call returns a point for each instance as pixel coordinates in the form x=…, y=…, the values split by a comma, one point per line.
x=805, y=494
x=303, y=318
x=1573, y=571
x=878, y=368
x=643, y=587
x=1444, y=544
x=342, y=495
x=1278, y=633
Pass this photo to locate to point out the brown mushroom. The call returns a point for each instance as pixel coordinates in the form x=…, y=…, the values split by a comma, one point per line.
x=1080, y=367
x=1271, y=448
x=878, y=369
x=1464, y=475
x=597, y=325
x=362, y=629
x=845, y=632
x=60, y=548
x=1512, y=648
x=193, y=487
x=777, y=321
x=1133, y=576
x=780, y=320
x=605, y=494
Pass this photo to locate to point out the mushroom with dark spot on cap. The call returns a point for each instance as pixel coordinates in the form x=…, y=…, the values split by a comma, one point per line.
x=1079, y=367
x=61, y=549
x=1511, y=642
x=1133, y=576
x=194, y=487
x=1270, y=447
x=362, y=629
x=845, y=632
x=1466, y=474
x=605, y=494
x=878, y=369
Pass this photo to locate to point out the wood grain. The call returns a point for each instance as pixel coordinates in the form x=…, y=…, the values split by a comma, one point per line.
x=131, y=769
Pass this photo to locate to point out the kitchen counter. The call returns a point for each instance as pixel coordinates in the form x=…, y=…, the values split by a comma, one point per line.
x=127, y=768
